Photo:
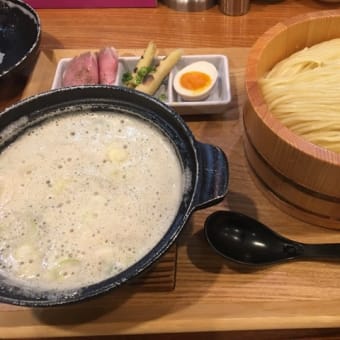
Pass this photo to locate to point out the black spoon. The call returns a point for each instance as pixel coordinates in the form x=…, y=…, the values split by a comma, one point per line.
x=242, y=239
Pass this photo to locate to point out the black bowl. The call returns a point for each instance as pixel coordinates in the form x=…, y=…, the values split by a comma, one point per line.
x=19, y=42
x=205, y=167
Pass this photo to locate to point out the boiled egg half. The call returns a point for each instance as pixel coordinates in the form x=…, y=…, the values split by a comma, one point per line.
x=195, y=81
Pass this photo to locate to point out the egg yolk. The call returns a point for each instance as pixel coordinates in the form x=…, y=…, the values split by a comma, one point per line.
x=195, y=80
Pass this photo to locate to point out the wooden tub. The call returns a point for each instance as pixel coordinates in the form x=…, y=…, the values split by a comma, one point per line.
x=301, y=178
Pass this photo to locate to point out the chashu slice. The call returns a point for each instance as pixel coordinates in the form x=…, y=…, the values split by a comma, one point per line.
x=108, y=65
x=81, y=70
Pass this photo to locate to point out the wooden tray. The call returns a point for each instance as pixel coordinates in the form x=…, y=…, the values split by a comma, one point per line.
x=210, y=294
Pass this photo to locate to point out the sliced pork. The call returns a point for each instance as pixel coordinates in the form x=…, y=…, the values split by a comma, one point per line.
x=108, y=65
x=81, y=70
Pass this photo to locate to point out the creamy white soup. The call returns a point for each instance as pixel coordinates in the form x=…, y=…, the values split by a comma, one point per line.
x=83, y=197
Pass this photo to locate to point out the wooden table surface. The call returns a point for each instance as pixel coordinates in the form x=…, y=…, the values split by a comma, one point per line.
x=288, y=301
x=135, y=27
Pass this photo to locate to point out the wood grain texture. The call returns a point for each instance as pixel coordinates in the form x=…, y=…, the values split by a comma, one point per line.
x=161, y=276
x=134, y=27
x=126, y=28
x=276, y=334
x=296, y=300
x=289, y=196
x=210, y=294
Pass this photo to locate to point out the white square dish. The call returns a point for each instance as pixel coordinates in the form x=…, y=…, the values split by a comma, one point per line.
x=217, y=101
x=220, y=96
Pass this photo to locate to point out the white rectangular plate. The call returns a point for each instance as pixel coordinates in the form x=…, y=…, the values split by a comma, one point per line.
x=217, y=102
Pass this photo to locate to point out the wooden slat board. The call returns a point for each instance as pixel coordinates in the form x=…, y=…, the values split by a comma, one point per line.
x=210, y=294
x=161, y=276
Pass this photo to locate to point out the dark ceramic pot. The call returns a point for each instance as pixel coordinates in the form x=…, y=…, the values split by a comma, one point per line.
x=205, y=166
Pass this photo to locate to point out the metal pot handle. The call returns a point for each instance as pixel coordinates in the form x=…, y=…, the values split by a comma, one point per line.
x=213, y=176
